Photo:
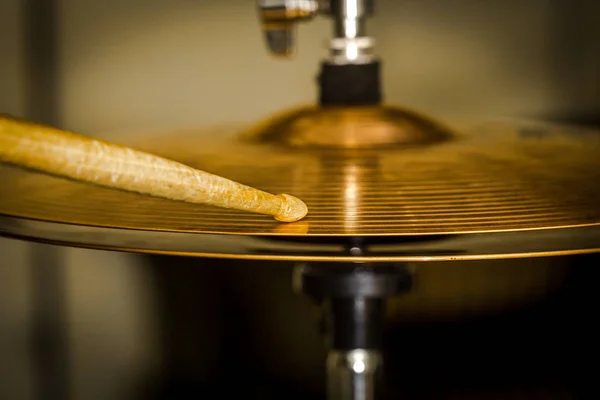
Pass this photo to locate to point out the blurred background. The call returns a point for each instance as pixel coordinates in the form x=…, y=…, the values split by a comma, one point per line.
x=85, y=324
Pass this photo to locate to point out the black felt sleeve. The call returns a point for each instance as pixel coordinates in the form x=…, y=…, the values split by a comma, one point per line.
x=350, y=85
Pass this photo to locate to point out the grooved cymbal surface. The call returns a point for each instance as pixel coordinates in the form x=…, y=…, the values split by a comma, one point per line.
x=492, y=176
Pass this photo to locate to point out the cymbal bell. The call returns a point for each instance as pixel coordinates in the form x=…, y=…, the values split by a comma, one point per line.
x=381, y=183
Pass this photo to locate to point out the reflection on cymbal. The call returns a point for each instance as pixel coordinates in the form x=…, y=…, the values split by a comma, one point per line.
x=292, y=228
x=475, y=177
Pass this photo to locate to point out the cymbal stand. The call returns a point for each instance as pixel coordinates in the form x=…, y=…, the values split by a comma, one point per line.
x=352, y=297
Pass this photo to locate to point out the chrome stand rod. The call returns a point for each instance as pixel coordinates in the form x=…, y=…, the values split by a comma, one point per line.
x=352, y=298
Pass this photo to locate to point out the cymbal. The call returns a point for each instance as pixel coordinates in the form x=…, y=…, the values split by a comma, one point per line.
x=381, y=184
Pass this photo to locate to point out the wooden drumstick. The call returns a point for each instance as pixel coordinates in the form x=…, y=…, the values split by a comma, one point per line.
x=70, y=155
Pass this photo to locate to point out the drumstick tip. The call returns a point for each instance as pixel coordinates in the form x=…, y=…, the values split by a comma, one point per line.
x=292, y=209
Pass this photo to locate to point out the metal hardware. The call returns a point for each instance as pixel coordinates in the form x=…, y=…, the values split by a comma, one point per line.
x=349, y=45
x=278, y=19
x=352, y=297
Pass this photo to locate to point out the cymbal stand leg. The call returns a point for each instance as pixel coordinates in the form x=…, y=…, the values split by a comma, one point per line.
x=352, y=297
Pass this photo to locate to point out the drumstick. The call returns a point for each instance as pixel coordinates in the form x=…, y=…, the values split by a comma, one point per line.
x=70, y=155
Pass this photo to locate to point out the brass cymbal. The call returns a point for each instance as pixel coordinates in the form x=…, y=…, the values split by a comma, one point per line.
x=454, y=190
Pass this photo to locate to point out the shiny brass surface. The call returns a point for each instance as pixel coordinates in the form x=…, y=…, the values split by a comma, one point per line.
x=349, y=128
x=423, y=189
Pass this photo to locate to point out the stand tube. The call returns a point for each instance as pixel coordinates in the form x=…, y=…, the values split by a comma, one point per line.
x=352, y=298
x=354, y=374
x=354, y=362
